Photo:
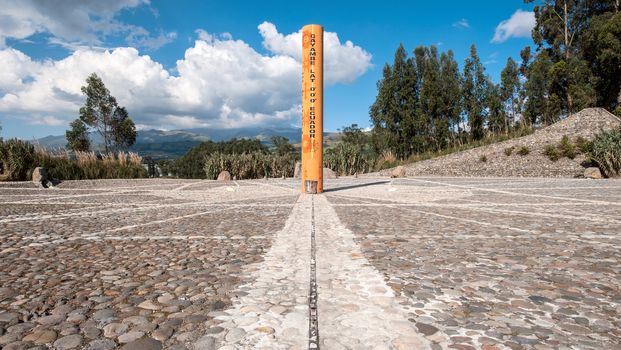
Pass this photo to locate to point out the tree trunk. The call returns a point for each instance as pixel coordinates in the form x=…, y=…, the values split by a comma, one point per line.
x=565, y=20
x=105, y=135
x=566, y=23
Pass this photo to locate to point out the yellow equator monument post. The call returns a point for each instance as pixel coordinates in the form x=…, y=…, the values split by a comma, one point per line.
x=312, y=109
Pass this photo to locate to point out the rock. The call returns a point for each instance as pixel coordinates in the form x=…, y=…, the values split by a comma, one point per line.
x=9, y=317
x=177, y=347
x=265, y=329
x=103, y=315
x=592, y=173
x=205, y=343
x=130, y=336
x=426, y=329
x=69, y=342
x=136, y=320
x=149, y=305
x=113, y=330
x=18, y=345
x=101, y=344
x=398, y=172
x=214, y=330
x=50, y=320
x=328, y=173
x=235, y=335
x=224, y=176
x=162, y=333
x=21, y=327
x=41, y=337
x=91, y=332
x=217, y=305
x=39, y=176
x=297, y=172
x=143, y=344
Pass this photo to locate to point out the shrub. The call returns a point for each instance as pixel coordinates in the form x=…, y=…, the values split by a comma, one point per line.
x=192, y=164
x=386, y=160
x=249, y=165
x=508, y=151
x=483, y=158
x=16, y=159
x=606, y=152
x=566, y=148
x=583, y=144
x=348, y=159
x=552, y=153
x=524, y=150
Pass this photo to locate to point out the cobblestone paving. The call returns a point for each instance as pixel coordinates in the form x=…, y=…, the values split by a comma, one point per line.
x=134, y=264
x=416, y=263
x=497, y=263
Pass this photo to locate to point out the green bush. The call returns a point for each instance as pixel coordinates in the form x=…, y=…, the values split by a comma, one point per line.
x=606, y=152
x=19, y=158
x=249, y=165
x=348, y=159
x=566, y=148
x=583, y=144
x=552, y=153
x=509, y=151
x=192, y=164
x=16, y=159
x=524, y=150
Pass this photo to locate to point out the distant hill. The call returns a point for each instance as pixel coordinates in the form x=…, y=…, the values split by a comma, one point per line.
x=162, y=144
x=496, y=160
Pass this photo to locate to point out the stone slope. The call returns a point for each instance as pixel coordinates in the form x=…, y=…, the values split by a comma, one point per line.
x=586, y=124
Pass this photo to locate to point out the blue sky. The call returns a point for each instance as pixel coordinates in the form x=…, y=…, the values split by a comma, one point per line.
x=185, y=64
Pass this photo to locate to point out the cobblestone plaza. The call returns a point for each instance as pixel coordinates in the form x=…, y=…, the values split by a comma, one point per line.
x=414, y=263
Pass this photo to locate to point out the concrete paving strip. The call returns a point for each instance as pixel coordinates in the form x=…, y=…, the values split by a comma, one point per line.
x=357, y=309
x=272, y=311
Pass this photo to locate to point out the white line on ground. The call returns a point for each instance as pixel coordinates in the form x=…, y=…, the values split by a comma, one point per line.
x=356, y=306
x=514, y=193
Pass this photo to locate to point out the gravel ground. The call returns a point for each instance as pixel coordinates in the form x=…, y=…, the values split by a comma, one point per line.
x=586, y=124
x=455, y=263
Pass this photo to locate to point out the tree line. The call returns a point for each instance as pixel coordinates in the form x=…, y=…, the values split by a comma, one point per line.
x=425, y=103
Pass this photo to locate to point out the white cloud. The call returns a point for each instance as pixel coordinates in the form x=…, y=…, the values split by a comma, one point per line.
x=220, y=81
x=520, y=25
x=47, y=120
x=152, y=42
x=342, y=62
x=80, y=22
x=462, y=23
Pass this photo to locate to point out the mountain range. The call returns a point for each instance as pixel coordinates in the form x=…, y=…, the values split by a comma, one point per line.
x=169, y=144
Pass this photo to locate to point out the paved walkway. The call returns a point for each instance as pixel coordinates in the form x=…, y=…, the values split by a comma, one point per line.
x=421, y=263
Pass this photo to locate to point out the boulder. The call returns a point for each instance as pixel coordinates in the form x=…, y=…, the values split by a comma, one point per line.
x=224, y=176
x=592, y=173
x=39, y=176
x=297, y=172
x=398, y=172
x=328, y=173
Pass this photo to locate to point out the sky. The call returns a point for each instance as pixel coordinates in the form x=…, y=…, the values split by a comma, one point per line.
x=226, y=64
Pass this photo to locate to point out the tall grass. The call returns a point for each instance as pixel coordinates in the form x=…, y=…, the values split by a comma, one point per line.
x=348, y=159
x=19, y=158
x=605, y=151
x=249, y=165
